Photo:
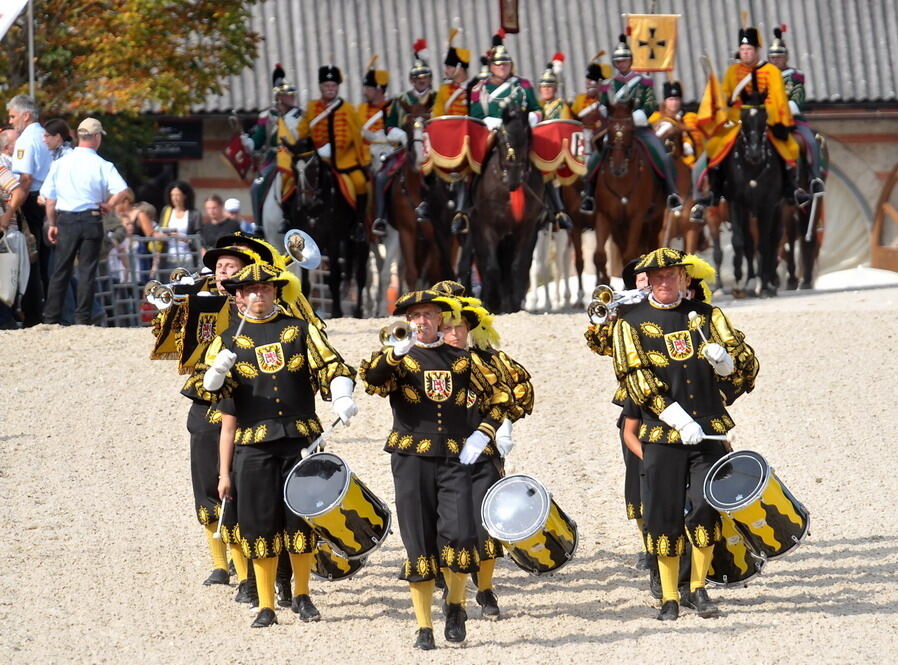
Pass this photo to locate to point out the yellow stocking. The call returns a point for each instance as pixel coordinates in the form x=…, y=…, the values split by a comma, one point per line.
x=302, y=569
x=216, y=547
x=669, y=568
x=240, y=563
x=455, y=583
x=266, y=569
x=701, y=562
x=485, y=574
x=422, y=599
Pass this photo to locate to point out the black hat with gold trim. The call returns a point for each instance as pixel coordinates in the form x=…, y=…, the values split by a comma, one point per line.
x=498, y=53
x=749, y=36
x=425, y=297
x=663, y=257
x=597, y=70
x=449, y=287
x=456, y=57
x=210, y=258
x=256, y=273
x=420, y=67
x=279, y=83
x=778, y=45
x=330, y=73
x=375, y=78
x=672, y=89
x=266, y=252
x=622, y=50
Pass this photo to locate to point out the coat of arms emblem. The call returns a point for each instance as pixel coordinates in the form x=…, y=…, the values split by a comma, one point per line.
x=438, y=384
x=205, y=330
x=679, y=344
x=270, y=357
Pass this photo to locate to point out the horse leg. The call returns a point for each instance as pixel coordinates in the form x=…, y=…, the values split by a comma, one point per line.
x=538, y=271
x=577, y=241
x=769, y=233
x=600, y=258
x=360, y=263
x=562, y=269
x=737, y=224
x=791, y=217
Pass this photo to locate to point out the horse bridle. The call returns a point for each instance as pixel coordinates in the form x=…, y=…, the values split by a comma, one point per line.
x=757, y=138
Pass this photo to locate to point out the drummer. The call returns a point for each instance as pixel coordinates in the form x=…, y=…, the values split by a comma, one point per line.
x=474, y=323
x=266, y=379
x=682, y=386
x=431, y=445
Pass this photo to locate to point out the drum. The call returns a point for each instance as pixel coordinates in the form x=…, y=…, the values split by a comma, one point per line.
x=337, y=505
x=733, y=563
x=558, y=149
x=455, y=144
x=331, y=565
x=743, y=486
x=519, y=512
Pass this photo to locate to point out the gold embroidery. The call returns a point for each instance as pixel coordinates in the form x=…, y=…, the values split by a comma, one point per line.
x=246, y=370
x=301, y=428
x=460, y=365
x=423, y=566
x=261, y=431
x=289, y=334
x=423, y=446
x=658, y=404
x=697, y=322
x=410, y=394
x=393, y=439
x=452, y=445
x=655, y=434
x=460, y=398
x=673, y=436
x=214, y=416
x=261, y=548
x=243, y=342
x=448, y=555
x=718, y=426
x=296, y=362
x=643, y=428
x=657, y=359
x=411, y=364
x=405, y=441
x=650, y=329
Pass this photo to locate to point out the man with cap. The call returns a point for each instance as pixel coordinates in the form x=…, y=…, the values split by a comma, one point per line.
x=503, y=87
x=31, y=161
x=472, y=328
x=682, y=386
x=232, y=211
x=79, y=188
x=794, y=80
x=452, y=96
x=332, y=125
x=265, y=380
x=431, y=446
x=628, y=84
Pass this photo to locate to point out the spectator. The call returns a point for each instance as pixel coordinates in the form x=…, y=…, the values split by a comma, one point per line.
x=216, y=224
x=140, y=219
x=232, y=210
x=58, y=138
x=31, y=159
x=77, y=188
x=8, y=138
x=178, y=220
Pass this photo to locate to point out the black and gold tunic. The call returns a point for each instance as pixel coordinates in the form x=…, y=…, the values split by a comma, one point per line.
x=273, y=382
x=430, y=390
x=658, y=359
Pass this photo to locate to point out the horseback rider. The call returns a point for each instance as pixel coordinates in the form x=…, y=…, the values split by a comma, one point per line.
x=554, y=108
x=754, y=82
x=640, y=89
x=452, y=96
x=372, y=112
x=420, y=94
x=794, y=79
x=333, y=126
x=670, y=113
x=587, y=108
x=503, y=87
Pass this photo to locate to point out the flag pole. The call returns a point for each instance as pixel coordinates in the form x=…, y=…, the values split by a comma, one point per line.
x=31, y=48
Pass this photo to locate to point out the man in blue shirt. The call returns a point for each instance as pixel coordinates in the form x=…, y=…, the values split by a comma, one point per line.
x=79, y=188
x=31, y=161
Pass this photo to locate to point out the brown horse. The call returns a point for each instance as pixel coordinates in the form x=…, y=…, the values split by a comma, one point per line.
x=677, y=224
x=630, y=199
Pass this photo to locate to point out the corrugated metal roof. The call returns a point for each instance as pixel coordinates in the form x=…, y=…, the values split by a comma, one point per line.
x=847, y=48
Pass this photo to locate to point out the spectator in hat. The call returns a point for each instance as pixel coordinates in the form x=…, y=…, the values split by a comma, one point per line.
x=232, y=211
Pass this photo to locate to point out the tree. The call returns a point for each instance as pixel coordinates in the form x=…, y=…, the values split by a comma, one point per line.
x=129, y=56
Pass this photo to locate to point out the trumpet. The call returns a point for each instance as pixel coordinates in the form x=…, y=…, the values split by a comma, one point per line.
x=302, y=249
x=397, y=332
x=606, y=302
x=164, y=296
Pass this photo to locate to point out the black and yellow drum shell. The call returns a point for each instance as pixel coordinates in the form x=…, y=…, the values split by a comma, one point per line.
x=329, y=565
x=549, y=549
x=733, y=563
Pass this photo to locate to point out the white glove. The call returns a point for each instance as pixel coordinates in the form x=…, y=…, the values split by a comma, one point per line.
x=473, y=447
x=404, y=346
x=215, y=375
x=341, y=395
x=661, y=128
x=503, y=438
x=247, y=143
x=793, y=106
x=640, y=119
x=533, y=118
x=492, y=123
x=720, y=360
x=397, y=136
x=325, y=151
x=675, y=416
x=688, y=150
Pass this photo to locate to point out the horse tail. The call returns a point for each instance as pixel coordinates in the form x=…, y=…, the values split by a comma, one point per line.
x=517, y=203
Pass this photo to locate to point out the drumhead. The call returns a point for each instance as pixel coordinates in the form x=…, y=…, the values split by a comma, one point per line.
x=316, y=484
x=736, y=480
x=515, y=508
x=555, y=121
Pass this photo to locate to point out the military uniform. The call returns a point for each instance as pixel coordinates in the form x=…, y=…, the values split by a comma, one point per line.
x=451, y=99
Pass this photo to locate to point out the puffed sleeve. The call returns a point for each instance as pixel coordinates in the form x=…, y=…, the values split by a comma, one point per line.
x=495, y=397
x=745, y=363
x=325, y=364
x=633, y=370
x=599, y=338
x=517, y=378
x=379, y=373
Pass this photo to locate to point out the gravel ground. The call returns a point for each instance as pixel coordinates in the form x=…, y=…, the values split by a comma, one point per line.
x=103, y=560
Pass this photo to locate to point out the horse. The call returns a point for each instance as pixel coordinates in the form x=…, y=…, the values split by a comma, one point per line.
x=753, y=175
x=507, y=208
x=555, y=284
x=323, y=212
x=799, y=230
x=677, y=224
x=630, y=199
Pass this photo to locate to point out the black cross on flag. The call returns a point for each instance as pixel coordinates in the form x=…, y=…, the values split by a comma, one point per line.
x=653, y=39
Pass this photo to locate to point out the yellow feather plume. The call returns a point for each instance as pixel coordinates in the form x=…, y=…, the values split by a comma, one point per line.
x=371, y=62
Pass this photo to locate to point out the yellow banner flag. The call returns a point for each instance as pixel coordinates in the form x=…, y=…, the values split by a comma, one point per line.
x=653, y=40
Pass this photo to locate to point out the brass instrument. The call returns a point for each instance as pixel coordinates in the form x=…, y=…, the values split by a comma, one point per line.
x=606, y=302
x=164, y=296
x=397, y=332
x=302, y=249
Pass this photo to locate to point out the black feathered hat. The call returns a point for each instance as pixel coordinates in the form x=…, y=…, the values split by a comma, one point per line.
x=330, y=73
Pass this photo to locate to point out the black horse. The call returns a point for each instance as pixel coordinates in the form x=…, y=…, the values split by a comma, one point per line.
x=753, y=175
x=324, y=213
x=507, y=207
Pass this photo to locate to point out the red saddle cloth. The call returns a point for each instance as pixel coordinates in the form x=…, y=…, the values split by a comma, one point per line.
x=455, y=144
x=557, y=149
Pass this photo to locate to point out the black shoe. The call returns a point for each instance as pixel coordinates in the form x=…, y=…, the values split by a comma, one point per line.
x=460, y=224
x=247, y=593
x=455, y=623
x=587, y=205
x=642, y=562
x=264, y=618
x=489, y=604
x=655, y=584
x=670, y=611
x=285, y=593
x=379, y=227
x=563, y=221
x=304, y=607
x=218, y=576
x=697, y=214
x=699, y=601
x=424, y=639
x=674, y=203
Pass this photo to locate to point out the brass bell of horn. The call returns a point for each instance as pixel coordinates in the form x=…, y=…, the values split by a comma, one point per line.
x=302, y=249
x=396, y=332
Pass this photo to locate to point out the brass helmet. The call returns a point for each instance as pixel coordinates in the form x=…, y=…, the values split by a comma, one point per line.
x=498, y=53
x=622, y=50
x=279, y=83
x=420, y=67
x=778, y=46
x=553, y=70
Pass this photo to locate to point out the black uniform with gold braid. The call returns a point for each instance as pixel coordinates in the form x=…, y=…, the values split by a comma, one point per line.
x=658, y=358
x=430, y=389
x=282, y=361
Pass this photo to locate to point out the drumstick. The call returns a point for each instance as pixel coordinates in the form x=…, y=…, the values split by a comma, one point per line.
x=318, y=444
x=250, y=299
x=692, y=316
x=217, y=534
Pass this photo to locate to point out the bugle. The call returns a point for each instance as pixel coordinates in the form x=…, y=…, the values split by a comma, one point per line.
x=397, y=332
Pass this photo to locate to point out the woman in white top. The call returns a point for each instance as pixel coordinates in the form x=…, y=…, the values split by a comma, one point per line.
x=181, y=219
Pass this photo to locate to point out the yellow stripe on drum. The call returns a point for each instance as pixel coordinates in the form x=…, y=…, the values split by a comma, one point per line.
x=755, y=517
x=334, y=522
x=535, y=546
x=734, y=543
x=774, y=496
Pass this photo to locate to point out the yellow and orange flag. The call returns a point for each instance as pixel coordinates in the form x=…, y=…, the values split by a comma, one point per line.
x=653, y=40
